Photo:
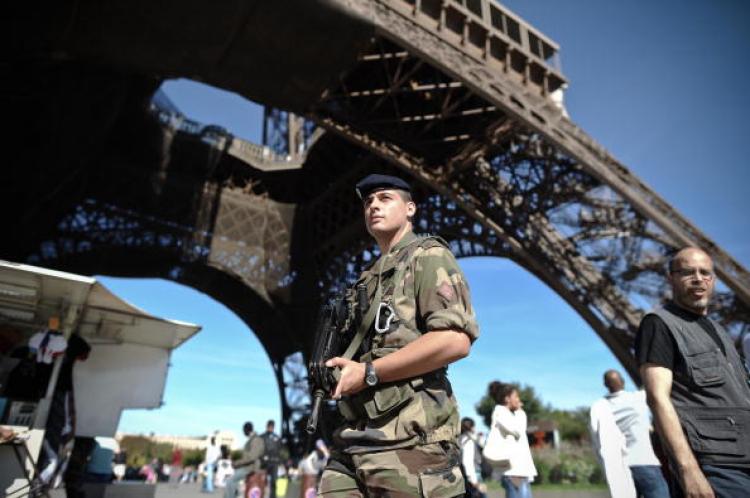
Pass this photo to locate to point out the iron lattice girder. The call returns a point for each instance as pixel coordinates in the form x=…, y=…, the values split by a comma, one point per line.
x=541, y=250
x=517, y=202
x=457, y=63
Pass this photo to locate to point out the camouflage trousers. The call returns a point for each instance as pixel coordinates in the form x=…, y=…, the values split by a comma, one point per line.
x=428, y=471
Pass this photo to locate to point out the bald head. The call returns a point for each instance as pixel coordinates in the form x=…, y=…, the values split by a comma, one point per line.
x=687, y=254
x=691, y=275
x=613, y=381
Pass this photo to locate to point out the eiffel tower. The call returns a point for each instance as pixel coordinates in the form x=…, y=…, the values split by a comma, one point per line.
x=462, y=96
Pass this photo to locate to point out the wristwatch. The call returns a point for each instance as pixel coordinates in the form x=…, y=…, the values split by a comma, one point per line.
x=371, y=377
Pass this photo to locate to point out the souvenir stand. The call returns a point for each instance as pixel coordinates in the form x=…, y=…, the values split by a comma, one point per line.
x=126, y=367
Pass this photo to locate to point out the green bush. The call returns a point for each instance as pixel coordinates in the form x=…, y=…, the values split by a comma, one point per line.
x=572, y=463
x=543, y=468
x=192, y=457
x=597, y=476
x=576, y=469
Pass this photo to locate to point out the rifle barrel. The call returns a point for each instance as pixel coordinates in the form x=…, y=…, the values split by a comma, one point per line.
x=312, y=422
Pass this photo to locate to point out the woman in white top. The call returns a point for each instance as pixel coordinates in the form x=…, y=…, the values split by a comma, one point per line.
x=510, y=419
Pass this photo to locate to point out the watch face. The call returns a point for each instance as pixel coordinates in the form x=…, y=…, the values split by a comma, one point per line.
x=371, y=377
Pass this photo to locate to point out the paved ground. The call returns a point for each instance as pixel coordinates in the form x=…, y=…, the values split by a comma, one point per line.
x=193, y=491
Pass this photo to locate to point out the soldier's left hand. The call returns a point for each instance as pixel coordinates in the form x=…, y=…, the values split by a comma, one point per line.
x=352, y=378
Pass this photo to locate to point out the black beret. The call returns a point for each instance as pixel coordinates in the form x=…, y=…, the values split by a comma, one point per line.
x=371, y=183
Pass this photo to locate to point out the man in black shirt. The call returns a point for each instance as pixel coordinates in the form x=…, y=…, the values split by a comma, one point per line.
x=271, y=456
x=696, y=386
x=655, y=344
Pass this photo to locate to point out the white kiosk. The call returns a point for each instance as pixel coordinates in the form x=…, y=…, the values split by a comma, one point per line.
x=126, y=368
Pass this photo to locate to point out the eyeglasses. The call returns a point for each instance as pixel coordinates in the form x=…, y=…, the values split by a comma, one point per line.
x=702, y=273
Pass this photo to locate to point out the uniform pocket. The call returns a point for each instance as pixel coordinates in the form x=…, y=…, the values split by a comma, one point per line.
x=445, y=483
x=706, y=368
x=334, y=483
x=387, y=399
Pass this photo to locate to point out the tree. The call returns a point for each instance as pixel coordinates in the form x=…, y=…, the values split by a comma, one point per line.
x=484, y=408
x=572, y=424
x=141, y=450
x=192, y=457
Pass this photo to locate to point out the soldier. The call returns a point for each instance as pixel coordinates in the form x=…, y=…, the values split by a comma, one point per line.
x=402, y=422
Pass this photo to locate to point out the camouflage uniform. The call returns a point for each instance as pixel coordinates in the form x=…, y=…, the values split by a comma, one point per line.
x=400, y=438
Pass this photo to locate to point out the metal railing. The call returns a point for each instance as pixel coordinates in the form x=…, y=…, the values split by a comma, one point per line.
x=489, y=31
x=258, y=156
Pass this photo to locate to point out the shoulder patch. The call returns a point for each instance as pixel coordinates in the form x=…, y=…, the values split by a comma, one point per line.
x=446, y=291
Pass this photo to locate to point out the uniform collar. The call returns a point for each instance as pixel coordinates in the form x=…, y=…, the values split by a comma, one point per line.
x=385, y=263
x=407, y=239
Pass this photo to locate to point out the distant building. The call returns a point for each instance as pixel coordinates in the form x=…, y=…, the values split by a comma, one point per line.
x=543, y=434
x=223, y=437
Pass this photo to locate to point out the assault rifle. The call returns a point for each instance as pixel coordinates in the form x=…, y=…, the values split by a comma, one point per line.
x=334, y=325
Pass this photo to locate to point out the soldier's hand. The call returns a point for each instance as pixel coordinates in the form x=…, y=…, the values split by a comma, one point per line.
x=696, y=485
x=352, y=379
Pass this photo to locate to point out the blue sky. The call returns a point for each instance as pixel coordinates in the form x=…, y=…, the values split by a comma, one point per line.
x=661, y=85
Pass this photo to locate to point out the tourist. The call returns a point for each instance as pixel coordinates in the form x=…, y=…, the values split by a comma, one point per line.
x=471, y=459
x=209, y=465
x=510, y=419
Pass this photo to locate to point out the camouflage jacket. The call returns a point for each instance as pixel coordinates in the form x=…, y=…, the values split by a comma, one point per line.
x=431, y=295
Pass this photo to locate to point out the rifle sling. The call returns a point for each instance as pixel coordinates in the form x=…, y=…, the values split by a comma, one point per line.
x=366, y=323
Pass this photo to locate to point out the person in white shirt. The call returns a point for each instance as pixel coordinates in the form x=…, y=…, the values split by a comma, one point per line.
x=510, y=418
x=471, y=459
x=224, y=468
x=47, y=345
x=632, y=416
x=611, y=449
x=213, y=453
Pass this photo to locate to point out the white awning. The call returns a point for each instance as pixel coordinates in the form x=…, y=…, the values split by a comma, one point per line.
x=130, y=349
x=30, y=295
